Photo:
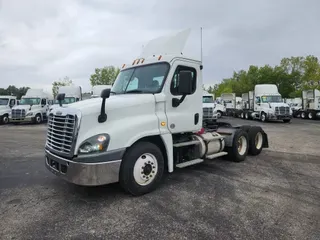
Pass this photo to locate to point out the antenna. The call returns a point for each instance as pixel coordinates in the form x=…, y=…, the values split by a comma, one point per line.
x=201, y=42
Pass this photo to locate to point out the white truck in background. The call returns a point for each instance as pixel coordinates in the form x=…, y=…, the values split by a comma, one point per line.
x=208, y=107
x=6, y=104
x=97, y=89
x=310, y=104
x=139, y=133
x=232, y=104
x=72, y=94
x=296, y=105
x=32, y=107
x=265, y=103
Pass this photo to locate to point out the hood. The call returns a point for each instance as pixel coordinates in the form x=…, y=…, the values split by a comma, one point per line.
x=25, y=107
x=281, y=104
x=121, y=101
x=213, y=105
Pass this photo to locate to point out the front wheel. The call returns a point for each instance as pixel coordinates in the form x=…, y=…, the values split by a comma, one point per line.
x=263, y=117
x=219, y=114
x=37, y=118
x=142, y=168
x=5, y=119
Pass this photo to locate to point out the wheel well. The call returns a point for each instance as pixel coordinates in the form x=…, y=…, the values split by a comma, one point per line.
x=157, y=140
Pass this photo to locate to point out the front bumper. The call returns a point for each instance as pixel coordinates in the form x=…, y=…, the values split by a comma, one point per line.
x=25, y=119
x=279, y=117
x=86, y=173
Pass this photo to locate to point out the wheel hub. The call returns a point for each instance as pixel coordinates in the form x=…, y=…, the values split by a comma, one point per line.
x=145, y=169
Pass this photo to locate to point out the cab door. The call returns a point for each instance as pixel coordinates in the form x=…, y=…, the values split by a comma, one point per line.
x=187, y=117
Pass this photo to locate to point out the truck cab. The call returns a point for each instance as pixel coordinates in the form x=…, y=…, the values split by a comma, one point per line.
x=268, y=104
x=6, y=104
x=208, y=107
x=72, y=94
x=32, y=107
x=149, y=123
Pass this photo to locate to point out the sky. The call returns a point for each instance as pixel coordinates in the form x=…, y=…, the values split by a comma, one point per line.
x=44, y=41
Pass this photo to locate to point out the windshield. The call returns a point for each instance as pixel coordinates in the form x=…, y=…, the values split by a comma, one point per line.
x=66, y=100
x=144, y=79
x=29, y=101
x=207, y=99
x=272, y=99
x=4, y=101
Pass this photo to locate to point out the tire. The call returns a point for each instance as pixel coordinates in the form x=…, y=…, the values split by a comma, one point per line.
x=286, y=120
x=238, y=153
x=311, y=115
x=303, y=115
x=140, y=162
x=219, y=114
x=246, y=128
x=5, y=119
x=263, y=117
x=37, y=118
x=242, y=115
x=256, y=140
x=247, y=116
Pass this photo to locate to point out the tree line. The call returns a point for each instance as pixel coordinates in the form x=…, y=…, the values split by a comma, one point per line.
x=292, y=76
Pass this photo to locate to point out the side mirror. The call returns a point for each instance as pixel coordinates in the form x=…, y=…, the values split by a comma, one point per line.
x=60, y=98
x=104, y=95
x=185, y=82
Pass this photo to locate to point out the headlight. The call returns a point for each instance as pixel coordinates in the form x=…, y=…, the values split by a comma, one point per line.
x=95, y=144
x=29, y=114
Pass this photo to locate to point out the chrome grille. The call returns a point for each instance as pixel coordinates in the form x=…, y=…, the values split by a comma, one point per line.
x=18, y=113
x=282, y=110
x=61, y=133
x=207, y=112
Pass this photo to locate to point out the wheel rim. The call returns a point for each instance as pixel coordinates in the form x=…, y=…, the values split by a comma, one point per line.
x=5, y=119
x=242, y=145
x=145, y=169
x=247, y=116
x=241, y=115
x=302, y=115
x=310, y=115
x=218, y=114
x=263, y=117
x=38, y=119
x=258, y=140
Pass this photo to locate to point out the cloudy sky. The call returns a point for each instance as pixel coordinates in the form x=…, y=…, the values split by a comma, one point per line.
x=44, y=40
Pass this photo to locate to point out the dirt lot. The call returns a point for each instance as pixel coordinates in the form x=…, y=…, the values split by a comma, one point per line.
x=273, y=196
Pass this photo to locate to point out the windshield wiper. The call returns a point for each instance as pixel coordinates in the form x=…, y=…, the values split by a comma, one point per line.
x=137, y=91
x=113, y=92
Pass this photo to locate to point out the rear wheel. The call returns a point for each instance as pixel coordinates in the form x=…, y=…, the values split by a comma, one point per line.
x=303, y=115
x=240, y=146
x=247, y=116
x=142, y=168
x=255, y=140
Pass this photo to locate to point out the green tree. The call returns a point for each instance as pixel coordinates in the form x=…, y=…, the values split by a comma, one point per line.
x=104, y=76
x=56, y=84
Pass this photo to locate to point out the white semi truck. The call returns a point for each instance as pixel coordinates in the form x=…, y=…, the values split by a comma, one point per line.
x=211, y=107
x=265, y=103
x=72, y=94
x=32, y=107
x=6, y=104
x=310, y=104
x=134, y=136
x=97, y=89
x=232, y=104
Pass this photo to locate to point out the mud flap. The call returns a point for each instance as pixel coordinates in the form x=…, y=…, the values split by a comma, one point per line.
x=265, y=140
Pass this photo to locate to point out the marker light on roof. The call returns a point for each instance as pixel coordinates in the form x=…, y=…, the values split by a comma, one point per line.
x=159, y=57
x=123, y=65
x=134, y=62
x=142, y=60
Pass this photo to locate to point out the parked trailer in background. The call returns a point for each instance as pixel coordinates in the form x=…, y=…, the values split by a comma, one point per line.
x=296, y=106
x=310, y=104
x=97, y=89
x=33, y=107
x=265, y=103
x=6, y=104
x=232, y=104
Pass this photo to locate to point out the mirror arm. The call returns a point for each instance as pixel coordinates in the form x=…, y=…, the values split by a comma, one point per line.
x=103, y=116
x=176, y=102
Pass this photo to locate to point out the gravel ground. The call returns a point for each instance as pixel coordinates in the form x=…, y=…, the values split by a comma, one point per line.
x=275, y=195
